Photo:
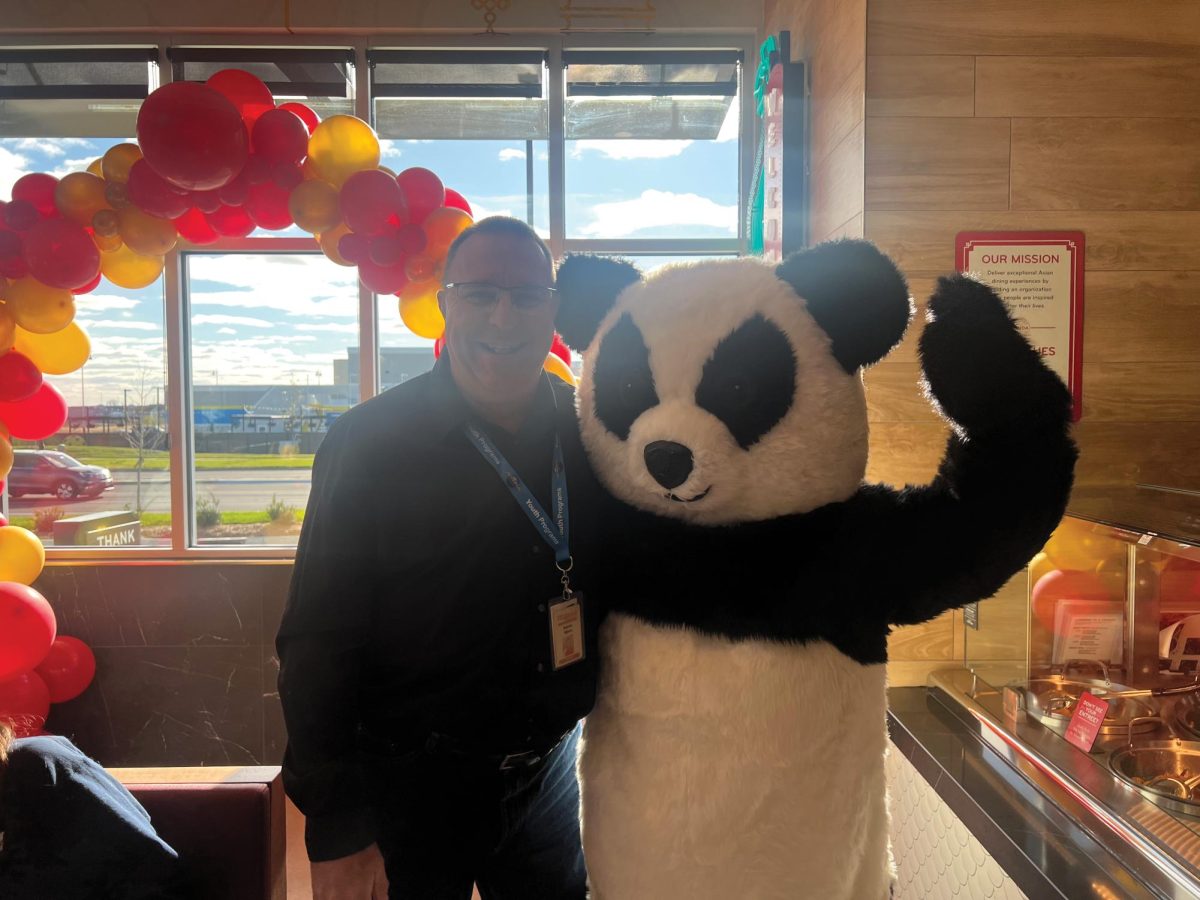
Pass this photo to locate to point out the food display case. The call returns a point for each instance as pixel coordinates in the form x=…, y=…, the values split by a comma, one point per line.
x=1088, y=676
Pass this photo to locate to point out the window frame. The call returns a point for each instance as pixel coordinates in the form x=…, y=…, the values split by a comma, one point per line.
x=176, y=313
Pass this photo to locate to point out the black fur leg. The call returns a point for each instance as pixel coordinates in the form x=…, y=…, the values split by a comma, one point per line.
x=978, y=367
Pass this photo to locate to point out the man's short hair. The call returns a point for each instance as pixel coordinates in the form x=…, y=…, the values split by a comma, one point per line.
x=500, y=225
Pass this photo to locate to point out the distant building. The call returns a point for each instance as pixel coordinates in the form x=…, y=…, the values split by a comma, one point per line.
x=396, y=366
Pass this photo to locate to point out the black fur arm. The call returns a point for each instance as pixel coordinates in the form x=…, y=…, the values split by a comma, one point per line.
x=1005, y=478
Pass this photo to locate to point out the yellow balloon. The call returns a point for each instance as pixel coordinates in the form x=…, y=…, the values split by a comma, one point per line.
x=39, y=308
x=96, y=168
x=8, y=330
x=22, y=555
x=556, y=366
x=107, y=243
x=422, y=316
x=442, y=226
x=145, y=234
x=127, y=269
x=1076, y=544
x=314, y=206
x=6, y=456
x=1039, y=566
x=59, y=353
x=329, y=243
x=341, y=146
x=118, y=160
x=79, y=196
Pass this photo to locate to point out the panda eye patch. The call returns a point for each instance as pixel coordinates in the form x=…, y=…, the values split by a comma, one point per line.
x=624, y=383
x=749, y=381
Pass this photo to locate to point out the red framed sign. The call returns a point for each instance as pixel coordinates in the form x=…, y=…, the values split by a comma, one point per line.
x=1040, y=276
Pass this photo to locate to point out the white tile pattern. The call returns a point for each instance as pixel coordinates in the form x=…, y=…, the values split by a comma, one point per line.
x=937, y=858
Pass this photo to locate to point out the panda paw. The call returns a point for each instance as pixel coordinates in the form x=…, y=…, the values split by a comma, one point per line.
x=978, y=367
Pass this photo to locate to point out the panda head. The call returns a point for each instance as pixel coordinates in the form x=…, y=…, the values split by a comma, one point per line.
x=729, y=391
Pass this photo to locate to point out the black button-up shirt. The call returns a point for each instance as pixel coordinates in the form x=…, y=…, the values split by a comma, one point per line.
x=419, y=600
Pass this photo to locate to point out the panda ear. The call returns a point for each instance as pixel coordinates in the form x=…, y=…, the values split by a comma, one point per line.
x=856, y=294
x=588, y=287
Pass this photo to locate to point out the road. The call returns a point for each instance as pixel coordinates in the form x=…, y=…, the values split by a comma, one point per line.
x=236, y=490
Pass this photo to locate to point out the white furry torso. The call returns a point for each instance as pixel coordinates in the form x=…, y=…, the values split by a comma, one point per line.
x=746, y=770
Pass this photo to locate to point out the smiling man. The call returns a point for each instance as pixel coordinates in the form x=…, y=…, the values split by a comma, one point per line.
x=436, y=653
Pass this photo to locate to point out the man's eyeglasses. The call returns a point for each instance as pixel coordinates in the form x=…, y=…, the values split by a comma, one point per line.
x=485, y=296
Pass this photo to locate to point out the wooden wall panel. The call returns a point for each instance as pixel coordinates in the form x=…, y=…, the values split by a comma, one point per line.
x=937, y=163
x=1126, y=163
x=1125, y=313
x=922, y=241
x=894, y=394
x=837, y=186
x=851, y=229
x=837, y=109
x=929, y=640
x=1145, y=391
x=905, y=452
x=1081, y=86
x=1033, y=27
x=910, y=673
x=920, y=85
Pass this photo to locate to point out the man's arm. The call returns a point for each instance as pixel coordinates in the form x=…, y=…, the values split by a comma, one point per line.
x=321, y=642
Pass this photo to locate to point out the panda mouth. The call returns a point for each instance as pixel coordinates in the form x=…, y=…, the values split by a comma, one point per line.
x=699, y=496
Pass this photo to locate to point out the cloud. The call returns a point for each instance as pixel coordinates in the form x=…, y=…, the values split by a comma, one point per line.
x=655, y=209
x=72, y=165
x=136, y=326
x=298, y=285
x=631, y=149
x=226, y=331
x=511, y=153
x=218, y=319
x=389, y=148
x=12, y=166
x=93, y=303
x=329, y=327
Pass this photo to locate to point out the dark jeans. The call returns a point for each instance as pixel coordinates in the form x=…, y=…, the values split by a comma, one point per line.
x=444, y=823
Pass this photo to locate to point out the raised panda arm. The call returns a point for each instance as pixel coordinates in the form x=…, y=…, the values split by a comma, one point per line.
x=1003, y=482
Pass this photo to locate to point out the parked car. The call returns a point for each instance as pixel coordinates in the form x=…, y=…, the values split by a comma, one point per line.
x=52, y=472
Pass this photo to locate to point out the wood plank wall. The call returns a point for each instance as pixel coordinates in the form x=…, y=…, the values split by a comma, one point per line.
x=1020, y=114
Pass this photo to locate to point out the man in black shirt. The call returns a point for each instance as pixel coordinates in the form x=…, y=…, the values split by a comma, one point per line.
x=432, y=666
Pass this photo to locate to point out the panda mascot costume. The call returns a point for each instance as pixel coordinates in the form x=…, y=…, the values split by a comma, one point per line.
x=736, y=750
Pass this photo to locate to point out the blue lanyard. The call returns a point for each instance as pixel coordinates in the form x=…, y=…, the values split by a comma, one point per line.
x=556, y=533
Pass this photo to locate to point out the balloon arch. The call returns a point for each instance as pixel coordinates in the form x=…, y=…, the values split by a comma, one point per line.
x=212, y=160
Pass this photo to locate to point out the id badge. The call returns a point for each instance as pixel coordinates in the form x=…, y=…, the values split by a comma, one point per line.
x=566, y=630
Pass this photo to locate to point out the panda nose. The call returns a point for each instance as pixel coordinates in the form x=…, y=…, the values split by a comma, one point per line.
x=670, y=463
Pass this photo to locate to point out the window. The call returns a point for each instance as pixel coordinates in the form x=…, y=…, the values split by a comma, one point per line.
x=209, y=389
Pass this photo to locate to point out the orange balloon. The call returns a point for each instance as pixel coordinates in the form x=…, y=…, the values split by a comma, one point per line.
x=79, y=196
x=442, y=226
x=6, y=457
x=59, y=353
x=127, y=269
x=1076, y=544
x=118, y=160
x=314, y=206
x=39, y=308
x=107, y=243
x=8, y=330
x=341, y=146
x=96, y=168
x=145, y=234
x=329, y=243
x=422, y=316
x=420, y=268
x=555, y=366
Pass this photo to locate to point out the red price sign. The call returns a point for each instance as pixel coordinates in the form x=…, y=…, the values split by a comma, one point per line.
x=1086, y=721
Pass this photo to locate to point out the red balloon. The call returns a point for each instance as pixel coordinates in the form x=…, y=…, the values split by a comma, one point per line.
x=230, y=221
x=207, y=201
x=14, y=266
x=21, y=215
x=19, y=377
x=192, y=226
x=371, y=200
x=249, y=96
x=458, y=201
x=387, y=249
x=153, y=194
x=235, y=193
x=192, y=136
x=310, y=119
x=25, y=703
x=257, y=170
x=3, y=519
x=381, y=280
x=3, y=224
x=561, y=350
x=37, y=189
x=354, y=247
x=280, y=136
x=438, y=346
x=37, y=416
x=27, y=628
x=412, y=238
x=1067, y=584
x=60, y=254
x=10, y=245
x=68, y=668
x=89, y=287
x=423, y=192
x=287, y=175
x=267, y=205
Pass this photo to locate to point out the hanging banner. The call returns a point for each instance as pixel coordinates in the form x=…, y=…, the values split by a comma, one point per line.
x=1040, y=276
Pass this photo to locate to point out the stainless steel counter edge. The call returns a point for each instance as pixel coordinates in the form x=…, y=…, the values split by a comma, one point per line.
x=1039, y=816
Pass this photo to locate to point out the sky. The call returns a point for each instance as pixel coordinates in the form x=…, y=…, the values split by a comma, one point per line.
x=266, y=319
